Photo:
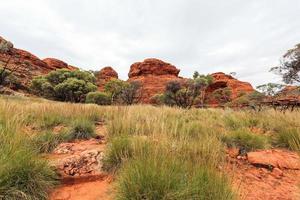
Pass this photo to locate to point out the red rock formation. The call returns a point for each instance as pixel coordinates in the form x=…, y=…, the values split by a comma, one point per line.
x=222, y=80
x=153, y=74
x=104, y=75
x=26, y=65
x=54, y=64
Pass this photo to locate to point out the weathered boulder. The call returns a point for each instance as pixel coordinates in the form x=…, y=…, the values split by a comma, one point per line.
x=153, y=74
x=104, y=75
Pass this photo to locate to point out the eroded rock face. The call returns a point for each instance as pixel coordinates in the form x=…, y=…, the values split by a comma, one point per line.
x=26, y=65
x=222, y=80
x=153, y=74
x=104, y=75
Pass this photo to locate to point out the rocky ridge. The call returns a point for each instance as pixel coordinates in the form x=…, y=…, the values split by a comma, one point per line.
x=25, y=65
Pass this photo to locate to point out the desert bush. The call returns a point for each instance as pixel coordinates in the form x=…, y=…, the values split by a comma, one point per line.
x=99, y=98
x=288, y=138
x=64, y=85
x=81, y=129
x=7, y=78
x=123, y=92
x=246, y=140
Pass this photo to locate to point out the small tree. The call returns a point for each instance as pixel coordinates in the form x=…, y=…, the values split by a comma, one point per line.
x=202, y=81
x=270, y=89
x=114, y=87
x=182, y=94
x=289, y=67
x=131, y=93
x=123, y=92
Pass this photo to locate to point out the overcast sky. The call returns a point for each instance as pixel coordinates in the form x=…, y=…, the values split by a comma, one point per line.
x=243, y=36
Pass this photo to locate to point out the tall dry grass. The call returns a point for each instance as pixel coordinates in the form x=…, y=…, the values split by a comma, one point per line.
x=146, y=145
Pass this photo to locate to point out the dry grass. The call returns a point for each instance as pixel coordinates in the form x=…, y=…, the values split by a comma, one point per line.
x=141, y=134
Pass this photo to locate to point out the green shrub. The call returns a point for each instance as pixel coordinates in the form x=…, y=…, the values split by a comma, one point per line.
x=82, y=129
x=99, y=98
x=289, y=138
x=73, y=90
x=119, y=149
x=244, y=139
x=64, y=85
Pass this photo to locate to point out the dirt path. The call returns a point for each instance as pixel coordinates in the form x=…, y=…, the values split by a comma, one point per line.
x=266, y=175
x=79, y=165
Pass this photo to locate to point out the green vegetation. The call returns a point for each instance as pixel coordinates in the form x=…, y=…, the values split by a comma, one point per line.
x=64, y=85
x=119, y=150
x=24, y=174
x=161, y=175
x=154, y=152
x=288, y=138
x=244, y=139
x=99, y=98
x=184, y=93
x=82, y=129
x=122, y=92
x=48, y=141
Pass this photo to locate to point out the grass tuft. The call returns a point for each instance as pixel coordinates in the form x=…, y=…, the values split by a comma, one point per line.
x=82, y=129
x=244, y=139
x=288, y=138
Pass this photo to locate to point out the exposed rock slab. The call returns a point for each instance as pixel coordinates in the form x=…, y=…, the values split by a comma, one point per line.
x=78, y=159
x=275, y=158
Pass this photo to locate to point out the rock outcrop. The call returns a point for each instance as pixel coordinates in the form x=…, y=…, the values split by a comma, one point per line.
x=54, y=64
x=104, y=75
x=25, y=65
x=222, y=80
x=153, y=74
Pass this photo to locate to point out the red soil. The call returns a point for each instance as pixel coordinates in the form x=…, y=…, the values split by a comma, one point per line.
x=259, y=183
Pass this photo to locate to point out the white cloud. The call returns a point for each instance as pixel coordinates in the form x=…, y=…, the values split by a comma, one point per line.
x=247, y=37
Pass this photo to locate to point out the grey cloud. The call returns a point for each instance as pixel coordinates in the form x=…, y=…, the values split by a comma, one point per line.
x=247, y=37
